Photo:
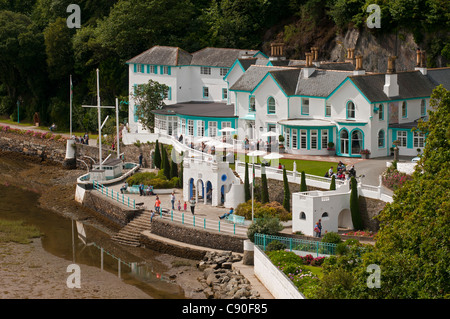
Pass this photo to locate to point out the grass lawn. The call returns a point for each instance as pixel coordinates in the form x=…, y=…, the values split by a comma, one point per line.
x=318, y=168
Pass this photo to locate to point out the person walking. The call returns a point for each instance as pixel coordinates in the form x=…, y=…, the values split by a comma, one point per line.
x=319, y=224
x=192, y=203
x=316, y=230
x=157, y=205
x=172, y=200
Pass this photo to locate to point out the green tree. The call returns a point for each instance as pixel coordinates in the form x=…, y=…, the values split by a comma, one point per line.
x=149, y=97
x=333, y=184
x=303, y=187
x=264, y=188
x=354, y=205
x=166, y=162
x=157, y=155
x=287, y=192
x=173, y=169
x=247, y=184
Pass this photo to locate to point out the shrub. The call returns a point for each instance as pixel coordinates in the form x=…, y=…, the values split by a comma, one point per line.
x=272, y=209
x=158, y=181
x=268, y=226
x=275, y=245
x=332, y=238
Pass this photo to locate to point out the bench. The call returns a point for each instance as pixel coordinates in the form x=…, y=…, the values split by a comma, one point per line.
x=235, y=219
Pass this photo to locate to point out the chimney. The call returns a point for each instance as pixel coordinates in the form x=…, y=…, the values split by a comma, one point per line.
x=391, y=87
x=276, y=52
x=315, y=56
x=421, y=62
x=309, y=69
x=350, y=56
x=358, y=66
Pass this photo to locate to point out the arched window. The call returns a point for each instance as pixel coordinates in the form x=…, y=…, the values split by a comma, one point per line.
x=325, y=215
x=423, y=108
x=357, y=142
x=351, y=110
x=303, y=215
x=271, y=105
x=344, y=141
x=381, y=140
x=252, y=106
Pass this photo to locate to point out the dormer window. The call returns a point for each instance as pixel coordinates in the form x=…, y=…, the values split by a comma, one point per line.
x=252, y=104
x=351, y=110
x=271, y=105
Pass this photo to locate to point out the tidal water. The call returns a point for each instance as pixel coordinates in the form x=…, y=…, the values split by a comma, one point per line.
x=61, y=237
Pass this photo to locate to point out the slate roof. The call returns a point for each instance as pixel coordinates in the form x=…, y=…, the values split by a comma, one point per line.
x=163, y=55
x=200, y=109
x=440, y=76
x=321, y=83
x=251, y=78
x=219, y=57
x=412, y=84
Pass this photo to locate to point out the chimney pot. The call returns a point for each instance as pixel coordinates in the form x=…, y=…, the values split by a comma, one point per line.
x=391, y=64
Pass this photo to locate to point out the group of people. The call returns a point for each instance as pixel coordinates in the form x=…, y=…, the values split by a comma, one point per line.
x=81, y=139
x=318, y=229
x=342, y=173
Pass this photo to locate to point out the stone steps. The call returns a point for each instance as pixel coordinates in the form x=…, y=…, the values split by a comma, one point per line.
x=129, y=235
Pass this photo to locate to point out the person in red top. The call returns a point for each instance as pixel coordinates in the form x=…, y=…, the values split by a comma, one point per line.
x=157, y=205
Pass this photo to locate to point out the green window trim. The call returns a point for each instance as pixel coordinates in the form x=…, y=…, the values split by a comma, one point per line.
x=269, y=104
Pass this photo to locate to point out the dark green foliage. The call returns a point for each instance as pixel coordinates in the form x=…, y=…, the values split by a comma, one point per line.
x=157, y=155
x=165, y=160
x=173, y=169
x=264, y=189
x=268, y=226
x=332, y=238
x=333, y=184
x=275, y=245
x=247, y=184
x=303, y=187
x=354, y=205
x=287, y=192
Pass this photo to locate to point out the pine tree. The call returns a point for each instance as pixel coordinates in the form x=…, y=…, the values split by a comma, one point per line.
x=333, y=184
x=264, y=189
x=354, y=205
x=157, y=158
x=303, y=187
x=247, y=184
x=287, y=192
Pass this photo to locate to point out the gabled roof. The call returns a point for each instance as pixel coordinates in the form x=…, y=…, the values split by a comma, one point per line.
x=219, y=57
x=163, y=55
x=321, y=83
x=199, y=109
x=412, y=84
x=251, y=78
x=440, y=76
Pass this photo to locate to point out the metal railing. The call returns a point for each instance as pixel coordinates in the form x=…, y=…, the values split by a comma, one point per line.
x=110, y=193
x=295, y=244
x=188, y=219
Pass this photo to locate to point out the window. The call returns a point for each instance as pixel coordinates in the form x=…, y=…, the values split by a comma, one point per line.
x=381, y=112
x=224, y=94
x=165, y=69
x=191, y=127
x=223, y=71
x=205, y=92
x=225, y=125
x=303, y=139
x=252, y=104
x=351, y=110
x=168, y=94
x=305, y=106
x=294, y=139
x=153, y=69
x=327, y=109
x=404, y=109
x=287, y=134
x=344, y=141
x=212, y=127
x=139, y=68
x=314, y=139
x=324, y=139
x=325, y=215
x=381, y=139
x=200, y=128
x=183, y=126
x=423, y=108
x=303, y=215
x=401, y=137
x=356, y=142
x=205, y=70
x=419, y=139
x=271, y=105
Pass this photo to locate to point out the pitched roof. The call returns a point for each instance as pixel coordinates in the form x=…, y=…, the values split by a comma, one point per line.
x=200, y=109
x=321, y=83
x=251, y=78
x=163, y=55
x=440, y=76
x=412, y=84
x=219, y=57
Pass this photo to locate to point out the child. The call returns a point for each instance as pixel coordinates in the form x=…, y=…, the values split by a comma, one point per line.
x=179, y=205
x=185, y=206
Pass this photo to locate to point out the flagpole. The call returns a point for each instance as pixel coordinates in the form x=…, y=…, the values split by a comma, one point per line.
x=117, y=127
x=253, y=187
x=99, y=121
x=71, y=97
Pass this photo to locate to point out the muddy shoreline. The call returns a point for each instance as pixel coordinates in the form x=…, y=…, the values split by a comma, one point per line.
x=56, y=189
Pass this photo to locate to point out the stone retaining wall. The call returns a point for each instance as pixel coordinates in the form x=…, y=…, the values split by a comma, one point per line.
x=197, y=236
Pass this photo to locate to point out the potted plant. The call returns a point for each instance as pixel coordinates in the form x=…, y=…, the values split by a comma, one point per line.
x=281, y=145
x=365, y=154
x=331, y=149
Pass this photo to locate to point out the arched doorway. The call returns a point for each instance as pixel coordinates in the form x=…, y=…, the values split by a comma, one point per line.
x=191, y=188
x=357, y=142
x=200, y=191
x=345, y=219
x=208, y=192
x=344, y=139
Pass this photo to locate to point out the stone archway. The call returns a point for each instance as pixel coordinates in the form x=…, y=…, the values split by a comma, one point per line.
x=345, y=219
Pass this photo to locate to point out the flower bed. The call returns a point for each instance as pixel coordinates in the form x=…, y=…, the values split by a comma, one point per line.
x=40, y=135
x=294, y=267
x=360, y=233
x=393, y=179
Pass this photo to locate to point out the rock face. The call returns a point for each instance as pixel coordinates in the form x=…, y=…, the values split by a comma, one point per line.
x=220, y=281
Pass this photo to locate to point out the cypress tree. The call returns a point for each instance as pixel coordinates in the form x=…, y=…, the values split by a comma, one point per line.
x=354, y=205
x=157, y=156
x=303, y=187
x=333, y=184
x=180, y=176
x=173, y=169
x=166, y=163
x=247, y=184
x=264, y=189
x=287, y=192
